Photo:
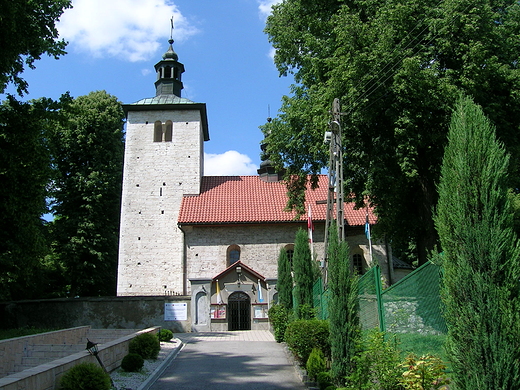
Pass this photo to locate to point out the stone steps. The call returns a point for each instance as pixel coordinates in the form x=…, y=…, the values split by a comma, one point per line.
x=37, y=354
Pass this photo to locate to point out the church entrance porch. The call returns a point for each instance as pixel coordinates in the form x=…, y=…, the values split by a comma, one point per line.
x=238, y=298
x=239, y=309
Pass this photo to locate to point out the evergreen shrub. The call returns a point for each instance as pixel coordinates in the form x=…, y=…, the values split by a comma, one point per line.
x=279, y=318
x=324, y=381
x=165, y=335
x=302, y=336
x=132, y=362
x=315, y=363
x=147, y=345
x=85, y=376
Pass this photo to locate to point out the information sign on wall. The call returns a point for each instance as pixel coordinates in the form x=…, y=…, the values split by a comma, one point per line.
x=175, y=311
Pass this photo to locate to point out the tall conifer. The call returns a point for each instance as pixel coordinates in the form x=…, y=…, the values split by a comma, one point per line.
x=285, y=282
x=303, y=273
x=481, y=255
x=343, y=307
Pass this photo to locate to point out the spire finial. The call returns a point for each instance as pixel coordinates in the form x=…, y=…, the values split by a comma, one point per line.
x=172, y=28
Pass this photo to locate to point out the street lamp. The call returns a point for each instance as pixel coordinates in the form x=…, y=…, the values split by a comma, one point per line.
x=93, y=350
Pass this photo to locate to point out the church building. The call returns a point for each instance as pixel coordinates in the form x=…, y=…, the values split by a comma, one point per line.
x=214, y=238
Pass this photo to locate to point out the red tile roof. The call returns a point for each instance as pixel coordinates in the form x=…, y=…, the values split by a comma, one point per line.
x=248, y=199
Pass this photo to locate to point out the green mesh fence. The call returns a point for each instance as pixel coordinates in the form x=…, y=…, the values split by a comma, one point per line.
x=369, y=295
x=410, y=310
x=320, y=300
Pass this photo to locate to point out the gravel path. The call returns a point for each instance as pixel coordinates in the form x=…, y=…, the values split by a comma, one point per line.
x=136, y=380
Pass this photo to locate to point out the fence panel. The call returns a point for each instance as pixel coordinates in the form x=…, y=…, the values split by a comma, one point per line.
x=413, y=313
x=369, y=300
x=410, y=310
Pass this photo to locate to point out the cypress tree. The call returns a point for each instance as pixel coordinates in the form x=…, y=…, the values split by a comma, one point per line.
x=303, y=274
x=343, y=308
x=481, y=255
x=285, y=282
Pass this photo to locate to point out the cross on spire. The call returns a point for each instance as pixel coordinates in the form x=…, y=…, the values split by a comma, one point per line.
x=172, y=28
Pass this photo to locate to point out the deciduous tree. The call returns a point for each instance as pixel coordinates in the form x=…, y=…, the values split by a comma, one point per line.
x=87, y=151
x=24, y=174
x=398, y=68
x=28, y=30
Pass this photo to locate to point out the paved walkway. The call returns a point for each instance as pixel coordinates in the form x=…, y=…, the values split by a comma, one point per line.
x=240, y=360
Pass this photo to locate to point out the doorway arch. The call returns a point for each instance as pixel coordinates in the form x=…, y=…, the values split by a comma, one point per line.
x=239, y=308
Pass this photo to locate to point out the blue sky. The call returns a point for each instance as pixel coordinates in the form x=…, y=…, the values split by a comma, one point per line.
x=114, y=44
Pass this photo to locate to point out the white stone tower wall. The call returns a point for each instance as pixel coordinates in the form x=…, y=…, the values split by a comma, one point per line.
x=156, y=176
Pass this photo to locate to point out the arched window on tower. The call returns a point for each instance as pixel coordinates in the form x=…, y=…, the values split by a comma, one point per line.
x=167, y=72
x=169, y=131
x=233, y=254
x=176, y=73
x=157, y=132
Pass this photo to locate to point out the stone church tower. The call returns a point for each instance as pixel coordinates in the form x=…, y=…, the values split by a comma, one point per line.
x=164, y=153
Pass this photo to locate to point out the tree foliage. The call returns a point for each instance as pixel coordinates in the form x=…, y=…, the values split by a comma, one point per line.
x=28, y=30
x=87, y=150
x=481, y=255
x=284, y=285
x=398, y=67
x=343, y=308
x=303, y=274
x=24, y=174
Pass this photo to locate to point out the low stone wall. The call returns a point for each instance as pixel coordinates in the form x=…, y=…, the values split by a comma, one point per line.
x=135, y=312
x=12, y=350
x=47, y=376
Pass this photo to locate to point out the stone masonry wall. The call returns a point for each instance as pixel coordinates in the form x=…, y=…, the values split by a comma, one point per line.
x=259, y=247
x=156, y=176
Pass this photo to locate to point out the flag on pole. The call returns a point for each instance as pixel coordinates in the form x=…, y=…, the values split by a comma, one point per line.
x=219, y=297
x=260, y=296
x=310, y=226
x=367, y=229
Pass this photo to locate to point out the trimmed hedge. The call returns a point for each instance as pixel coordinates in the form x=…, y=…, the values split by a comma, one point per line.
x=132, y=362
x=165, y=335
x=147, y=345
x=302, y=336
x=85, y=376
x=279, y=318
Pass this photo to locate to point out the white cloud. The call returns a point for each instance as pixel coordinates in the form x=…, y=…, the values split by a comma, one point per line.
x=264, y=6
x=131, y=30
x=230, y=163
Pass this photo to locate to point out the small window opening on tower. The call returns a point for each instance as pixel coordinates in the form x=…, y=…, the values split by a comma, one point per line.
x=168, y=72
x=157, y=132
x=176, y=73
x=169, y=132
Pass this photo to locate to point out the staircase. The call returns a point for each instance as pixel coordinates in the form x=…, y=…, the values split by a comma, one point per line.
x=35, y=354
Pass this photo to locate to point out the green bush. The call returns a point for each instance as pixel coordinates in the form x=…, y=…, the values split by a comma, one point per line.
x=315, y=363
x=324, y=381
x=302, y=336
x=85, y=376
x=165, y=335
x=376, y=366
x=132, y=362
x=147, y=345
x=279, y=318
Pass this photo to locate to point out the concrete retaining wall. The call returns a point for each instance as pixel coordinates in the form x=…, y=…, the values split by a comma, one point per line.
x=47, y=376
